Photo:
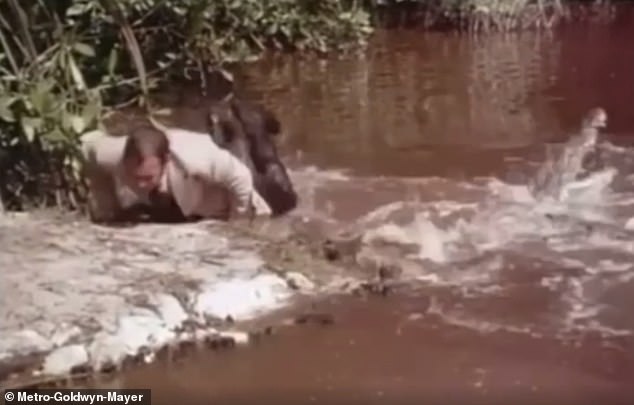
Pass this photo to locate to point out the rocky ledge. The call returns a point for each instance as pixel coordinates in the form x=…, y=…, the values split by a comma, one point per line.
x=77, y=296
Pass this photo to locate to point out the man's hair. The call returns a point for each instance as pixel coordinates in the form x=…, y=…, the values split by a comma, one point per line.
x=145, y=140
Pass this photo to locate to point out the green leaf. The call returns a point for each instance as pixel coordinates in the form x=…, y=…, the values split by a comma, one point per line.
x=286, y=31
x=90, y=111
x=40, y=95
x=153, y=83
x=45, y=85
x=55, y=136
x=77, y=9
x=30, y=126
x=10, y=78
x=77, y=123
x=37, y=101
x=77, y=76
x=94, y=95
x=77, y=168
x=67, y=124
x=6, y=114
x=84, y=49
x=112, y=60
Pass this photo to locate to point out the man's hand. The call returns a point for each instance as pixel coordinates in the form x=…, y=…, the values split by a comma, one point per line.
x=259, y=206
x=256, y=208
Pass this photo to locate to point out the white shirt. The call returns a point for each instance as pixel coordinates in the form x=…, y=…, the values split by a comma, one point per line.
x=203, y=178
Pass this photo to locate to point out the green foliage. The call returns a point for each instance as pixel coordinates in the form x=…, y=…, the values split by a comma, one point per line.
x=45, y=101
x=474, y=15
x=63, y=61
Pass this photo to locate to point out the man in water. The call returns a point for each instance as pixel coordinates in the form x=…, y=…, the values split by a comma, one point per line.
x=172, y=172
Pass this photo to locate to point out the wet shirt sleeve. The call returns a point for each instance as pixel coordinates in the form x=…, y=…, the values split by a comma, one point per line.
x=202, y=158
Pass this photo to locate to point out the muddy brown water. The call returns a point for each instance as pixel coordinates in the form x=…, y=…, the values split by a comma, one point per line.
x=516, y=299
x=393, y=350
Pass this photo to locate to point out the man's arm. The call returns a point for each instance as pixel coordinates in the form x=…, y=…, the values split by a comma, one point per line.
x=199, y=156
x=103, y=202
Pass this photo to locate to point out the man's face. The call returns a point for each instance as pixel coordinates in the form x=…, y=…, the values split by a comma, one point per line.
x=147, y=171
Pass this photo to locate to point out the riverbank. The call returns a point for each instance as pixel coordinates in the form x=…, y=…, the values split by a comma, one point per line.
x=79, y=298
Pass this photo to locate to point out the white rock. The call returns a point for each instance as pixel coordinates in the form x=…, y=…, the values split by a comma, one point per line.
x=242, y=299
x=23, y=342
x=62, y=360
x=299, y=281
x=33, y=338
x=143, y=330
x=149, y=358
x=629, y=225
x=102, y=272
x=201, y=334
x=170, y=310
x=64, y=334
x=342, y=284
x=240, y=338
x=106, y=349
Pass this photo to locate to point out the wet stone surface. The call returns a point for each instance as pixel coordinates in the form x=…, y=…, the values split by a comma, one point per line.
x=79, y=297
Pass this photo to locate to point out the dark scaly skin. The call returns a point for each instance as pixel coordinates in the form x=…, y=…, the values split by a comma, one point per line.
x=581, y=146
x=247, y=131
x=575, y=152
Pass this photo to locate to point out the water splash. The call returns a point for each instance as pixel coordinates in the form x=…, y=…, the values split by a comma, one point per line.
x=563, y=226
x=483, y=240
x=558, y=173
x=562, y=197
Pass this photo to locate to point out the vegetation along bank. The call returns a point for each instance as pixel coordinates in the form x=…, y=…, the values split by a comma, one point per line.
x=65, y=64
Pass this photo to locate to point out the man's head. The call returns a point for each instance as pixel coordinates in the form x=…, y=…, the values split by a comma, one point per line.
x=144, y=156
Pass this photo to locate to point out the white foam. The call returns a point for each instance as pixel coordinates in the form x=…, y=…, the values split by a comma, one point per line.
x=62, y=360
x=566, y=225
x=312, y=172
x=169, y=309
x=468, y=322
x=430, y=239
x=24, y=341
x=243, y=298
